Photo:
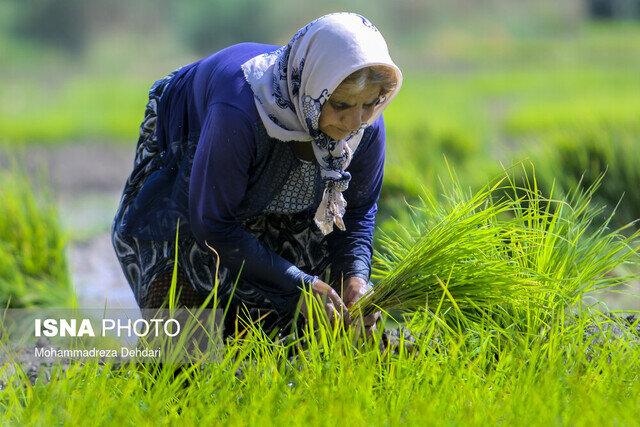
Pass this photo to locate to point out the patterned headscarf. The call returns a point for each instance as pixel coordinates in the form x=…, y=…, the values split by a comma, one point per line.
x=291, y=84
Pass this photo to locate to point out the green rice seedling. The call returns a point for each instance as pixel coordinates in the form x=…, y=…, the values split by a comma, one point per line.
x=576, y=246
x=33, y=267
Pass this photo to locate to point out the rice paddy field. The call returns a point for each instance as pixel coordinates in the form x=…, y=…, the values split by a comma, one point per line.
x=506, y=249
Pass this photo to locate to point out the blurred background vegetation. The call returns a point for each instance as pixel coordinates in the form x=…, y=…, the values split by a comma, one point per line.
x=487, y=82
x=499, y=70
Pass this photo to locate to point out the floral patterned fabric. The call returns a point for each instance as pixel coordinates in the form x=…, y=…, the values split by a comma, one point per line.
x=291, y=85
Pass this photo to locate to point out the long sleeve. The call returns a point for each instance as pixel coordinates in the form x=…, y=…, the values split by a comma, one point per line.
x=218, y=182
x=351, y=250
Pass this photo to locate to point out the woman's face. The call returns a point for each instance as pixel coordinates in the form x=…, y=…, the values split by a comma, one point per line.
x=344, y=112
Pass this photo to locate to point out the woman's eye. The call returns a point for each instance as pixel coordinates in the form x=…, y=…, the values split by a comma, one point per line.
x=373, y=104
x=339, y=105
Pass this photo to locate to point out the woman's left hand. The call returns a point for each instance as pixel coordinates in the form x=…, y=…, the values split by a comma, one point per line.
x=354, y=289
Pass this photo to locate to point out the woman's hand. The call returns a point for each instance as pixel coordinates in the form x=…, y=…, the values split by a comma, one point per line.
x=333, y=304
x=354, y=289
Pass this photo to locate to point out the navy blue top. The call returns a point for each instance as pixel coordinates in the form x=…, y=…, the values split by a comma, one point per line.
x=211, y=104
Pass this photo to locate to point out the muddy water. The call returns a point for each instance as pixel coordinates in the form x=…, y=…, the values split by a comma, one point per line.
x=97, y=277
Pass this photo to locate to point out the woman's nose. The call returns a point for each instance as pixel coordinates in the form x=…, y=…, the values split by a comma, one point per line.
x=353, y=119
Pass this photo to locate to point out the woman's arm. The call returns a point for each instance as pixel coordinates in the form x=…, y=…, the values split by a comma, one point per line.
x=351, y=250
x=218, y=183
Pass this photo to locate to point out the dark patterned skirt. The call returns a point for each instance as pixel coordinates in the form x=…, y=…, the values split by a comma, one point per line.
x=148, y=264
x=292, y=236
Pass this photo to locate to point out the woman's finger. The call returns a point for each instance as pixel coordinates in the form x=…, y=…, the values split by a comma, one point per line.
x=370, y=330
x=340, y=306
x=331, y=312
x=372, y=318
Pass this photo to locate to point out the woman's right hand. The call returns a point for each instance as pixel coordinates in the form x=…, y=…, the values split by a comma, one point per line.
x=331, y=301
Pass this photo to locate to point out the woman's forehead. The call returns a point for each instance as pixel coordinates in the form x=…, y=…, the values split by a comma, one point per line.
x=369, y=92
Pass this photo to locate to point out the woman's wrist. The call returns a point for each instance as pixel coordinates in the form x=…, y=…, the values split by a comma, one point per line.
x=310, y=280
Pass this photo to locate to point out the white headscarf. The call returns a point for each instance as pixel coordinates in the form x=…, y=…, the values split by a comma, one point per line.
x=291, y=84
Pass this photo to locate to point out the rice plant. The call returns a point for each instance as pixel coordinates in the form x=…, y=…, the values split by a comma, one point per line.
x=583, y=156
x=33, y=266
x=457, y=379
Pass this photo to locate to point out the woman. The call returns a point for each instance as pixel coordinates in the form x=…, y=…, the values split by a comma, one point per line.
x=246, y=152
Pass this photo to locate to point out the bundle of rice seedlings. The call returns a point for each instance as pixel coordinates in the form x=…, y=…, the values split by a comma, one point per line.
x=452, y=257
x=470, y=255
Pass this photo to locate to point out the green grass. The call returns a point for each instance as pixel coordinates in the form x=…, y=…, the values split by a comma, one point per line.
x=491, y=280
x=33, y=265
x=554, y=378
x=88, y=108
x=533, y=357
x=569, y=157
